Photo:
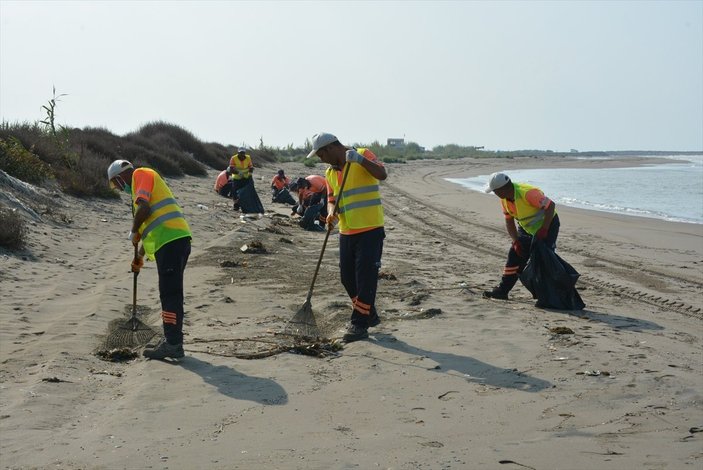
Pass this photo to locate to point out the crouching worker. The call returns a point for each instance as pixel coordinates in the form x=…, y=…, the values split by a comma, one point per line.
x=224, y=186
x=164, y=234
x=312, y=202
x=311, y=190
x=279, y=189
x=360, y=219
x=536, y=217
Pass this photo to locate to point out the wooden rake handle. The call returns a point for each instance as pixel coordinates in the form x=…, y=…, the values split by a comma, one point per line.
x=329, y=230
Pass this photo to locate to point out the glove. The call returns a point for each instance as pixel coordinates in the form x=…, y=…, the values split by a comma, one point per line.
x=542, y=233
x=331, y=220
x=518, y=248
x=134, y=237
x=354, y=156
x=137, y=264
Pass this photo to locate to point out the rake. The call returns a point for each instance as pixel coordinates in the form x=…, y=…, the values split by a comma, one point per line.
x=303, y=322
x=138, y=332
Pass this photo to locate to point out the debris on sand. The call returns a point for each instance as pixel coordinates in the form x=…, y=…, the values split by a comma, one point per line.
x=254, y=247
x=229, y=263
x=388, y=276
x=117, y=354
x=561, y=330
x=418, y=298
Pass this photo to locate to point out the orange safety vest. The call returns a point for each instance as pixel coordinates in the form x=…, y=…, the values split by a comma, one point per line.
x=220, y=181
x=165, y=222
x=279, y=183
x=360, y=206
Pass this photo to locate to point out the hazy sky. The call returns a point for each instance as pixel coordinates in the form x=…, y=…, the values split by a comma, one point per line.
x=506, y=75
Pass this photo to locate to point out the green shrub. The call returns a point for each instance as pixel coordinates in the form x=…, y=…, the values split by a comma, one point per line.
x=13, y=229
x=19, y=162
x=187, y=142
x=88, y=179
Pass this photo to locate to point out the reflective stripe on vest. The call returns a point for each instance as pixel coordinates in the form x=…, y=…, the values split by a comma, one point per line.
x=360, y=202
x=165, y=222
x=529, y=217
x=242, y=166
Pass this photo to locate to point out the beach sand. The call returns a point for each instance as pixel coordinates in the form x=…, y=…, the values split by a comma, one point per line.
x=449, y=380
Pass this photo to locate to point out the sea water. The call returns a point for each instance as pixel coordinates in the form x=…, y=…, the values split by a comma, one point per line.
x=670, y=191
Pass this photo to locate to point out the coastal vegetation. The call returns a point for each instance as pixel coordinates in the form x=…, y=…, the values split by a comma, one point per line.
x=46, y=152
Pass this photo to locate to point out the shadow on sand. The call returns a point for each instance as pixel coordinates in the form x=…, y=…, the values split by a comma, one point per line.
x=616, y=322
x=236, y=385
x=472, y=369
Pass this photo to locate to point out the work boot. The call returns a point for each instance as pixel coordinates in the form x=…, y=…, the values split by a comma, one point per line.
x=164, y=350
x=374, y=320
x=355, y=333
x=496, y=293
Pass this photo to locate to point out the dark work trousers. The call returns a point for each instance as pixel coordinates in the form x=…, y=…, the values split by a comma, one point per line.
x=516, y=263
x=171, y=260
x=359, y=263
x=227, y=190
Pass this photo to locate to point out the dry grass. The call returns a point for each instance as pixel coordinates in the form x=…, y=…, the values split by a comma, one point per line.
x=13, y=230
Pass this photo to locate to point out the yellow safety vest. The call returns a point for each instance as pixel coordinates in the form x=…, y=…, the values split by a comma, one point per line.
x=165, y=222
x=241, y=165
x=529, y=217
x=360, y=203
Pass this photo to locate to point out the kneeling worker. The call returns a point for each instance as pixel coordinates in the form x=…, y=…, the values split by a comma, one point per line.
x=159, y=224
x=536, y=217
x=224, y=186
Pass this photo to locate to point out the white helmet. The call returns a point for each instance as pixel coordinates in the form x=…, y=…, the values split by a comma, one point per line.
x=117, y=167
x=496, y=181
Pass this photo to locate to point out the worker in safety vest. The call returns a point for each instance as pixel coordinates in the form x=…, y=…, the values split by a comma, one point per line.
x=279, y=182
x=224, y=186
x=165, y=236
x=536, y=217
x=311, y=190
x=360, y=219
x=241, y=169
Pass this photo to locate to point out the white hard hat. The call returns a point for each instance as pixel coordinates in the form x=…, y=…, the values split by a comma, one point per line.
x=242, y=149
x=117, y=167
x=495, y=181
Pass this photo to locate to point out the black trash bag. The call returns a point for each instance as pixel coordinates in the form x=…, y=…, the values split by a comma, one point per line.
x=249, y=201
x=283, y=196
x=550, y=279
x=312, y=215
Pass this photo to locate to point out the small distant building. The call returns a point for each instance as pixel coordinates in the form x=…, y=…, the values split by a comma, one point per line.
x=574, y=151
x=395, y=143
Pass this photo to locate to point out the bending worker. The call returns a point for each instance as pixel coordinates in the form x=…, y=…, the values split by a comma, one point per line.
x=311, y=190
x=165, y=236
x=536, y=217
x=224, y=186
x=360, y=219
x=279, y=182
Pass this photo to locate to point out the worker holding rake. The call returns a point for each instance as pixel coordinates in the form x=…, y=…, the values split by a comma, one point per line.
x=165, y=236
x=353, y=183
